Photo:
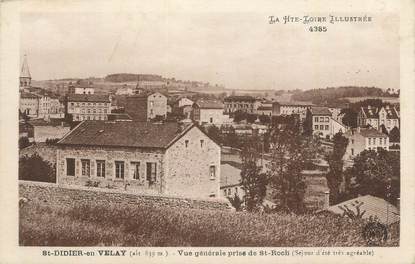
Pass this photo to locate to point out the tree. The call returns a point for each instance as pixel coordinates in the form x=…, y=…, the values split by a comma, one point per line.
x=231, y=139
x=35, y=168
x=23, y=142
x=236, y=202
x=290, y=152
x=350, y=117
x=253, y=182
x=335, y=159
x=376, y=173
x=214, y=133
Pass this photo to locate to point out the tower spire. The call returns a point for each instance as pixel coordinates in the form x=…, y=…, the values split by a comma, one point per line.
x=25, y=77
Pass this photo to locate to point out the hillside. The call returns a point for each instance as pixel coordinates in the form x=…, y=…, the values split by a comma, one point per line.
x=47, y=221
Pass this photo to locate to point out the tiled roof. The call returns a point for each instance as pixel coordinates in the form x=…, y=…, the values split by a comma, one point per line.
x=88, y=98
x=370, y=112
x=125, y=134
x=119, y=116
x=391, y=113
x=51, y=122
x=374, y=206
x=371, y=132
x=28, y=95
x=209, y=104
x=240, y=98
x=229, y=175
x=318, y=110
x=262, y=107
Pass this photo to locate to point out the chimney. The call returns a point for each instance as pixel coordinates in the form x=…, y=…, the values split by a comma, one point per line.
x=326, y=199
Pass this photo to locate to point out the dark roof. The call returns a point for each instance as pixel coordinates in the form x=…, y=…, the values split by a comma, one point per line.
x=262, y=107
x=370, y=112
x=318, y=110
x=209, y=104
x=28, y=95
x=126, y=134
x=88, y=98
x=371, y=132
x=374, y=206
x=240, y=98
x=119, y=116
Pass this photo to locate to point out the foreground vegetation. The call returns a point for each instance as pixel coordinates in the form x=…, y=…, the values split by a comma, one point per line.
x=94, y=224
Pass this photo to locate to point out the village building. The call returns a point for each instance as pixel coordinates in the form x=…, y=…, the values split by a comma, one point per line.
x=125, y=90
x=81, y=87
x=361, y=139
x=50, y=106
x=146, y=106
x=208, y=112
x=290, y=108
x=247, y=104
x=29, y=104
x=386, y=116
x=319, y=121
x=265, y=108
x=88, y=106
x=184, y=101
x=52, y=129
x=164, y=158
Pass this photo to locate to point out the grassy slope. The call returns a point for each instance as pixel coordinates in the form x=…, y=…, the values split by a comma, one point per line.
x=42, y=224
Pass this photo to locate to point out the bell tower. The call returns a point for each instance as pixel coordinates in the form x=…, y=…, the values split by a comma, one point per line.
x=25, y=77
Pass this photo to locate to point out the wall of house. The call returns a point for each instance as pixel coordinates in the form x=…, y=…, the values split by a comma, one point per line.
x=41, y=133
x=188, y=168
x=185, y=101
x=336, y=127
x=211, y=116
x=156, y=105
x=230, y=191
x=89, y=110
x=110, y=155
x=30, y=106
x=357, y=144
x=321, y=125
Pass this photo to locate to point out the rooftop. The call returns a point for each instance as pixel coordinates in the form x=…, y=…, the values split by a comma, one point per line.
x=374, y=206
x=371, y=132
x=88, y=98
x=229, y=175
x=240, y=98
x=318, y=110
x=294, y=103
x=209, y=104
x=126, y=134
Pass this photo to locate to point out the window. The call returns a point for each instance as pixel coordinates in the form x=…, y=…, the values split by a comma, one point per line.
x=370, y=141
x=321, y=127
x=211, y=120
x=229, y=192
x=201, y=143
x=70, y=167
x=374, y=141
x=321, y=118
x=352, y=141
x=352, y=151
x=327, y=127
x=315, y=127
x=186, y=143
x=86, y=167
x=101, y=168
x=381, y=141
x=212, y=172
x=327, y=119
x=151, y=172
x=135, y=170
x=119, y=169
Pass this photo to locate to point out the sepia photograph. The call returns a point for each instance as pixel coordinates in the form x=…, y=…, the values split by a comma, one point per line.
x=178, y=127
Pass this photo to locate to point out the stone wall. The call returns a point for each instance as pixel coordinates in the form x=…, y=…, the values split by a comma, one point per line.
x=110, y=155
x=69, y=195
x=188, y=167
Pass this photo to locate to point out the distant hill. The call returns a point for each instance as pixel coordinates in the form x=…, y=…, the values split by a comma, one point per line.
x=324, y=95
x=130, y=77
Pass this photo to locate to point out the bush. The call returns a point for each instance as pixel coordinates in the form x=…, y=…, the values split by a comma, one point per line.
x=23, y=142
x=35, y=168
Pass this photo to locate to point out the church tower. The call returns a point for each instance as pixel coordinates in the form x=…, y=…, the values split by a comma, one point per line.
x=25, y=77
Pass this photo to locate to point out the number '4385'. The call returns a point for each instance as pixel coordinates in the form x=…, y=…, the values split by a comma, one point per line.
x=318, y=29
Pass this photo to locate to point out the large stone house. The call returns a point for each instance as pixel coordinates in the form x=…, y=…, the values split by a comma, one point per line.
x=157, y=158
x=241, y=103
x=318, y=120
x=29, y=104
x=361, y=139
x=146, y=106
x=208, y=112
x=289, y=108
x=88, y=106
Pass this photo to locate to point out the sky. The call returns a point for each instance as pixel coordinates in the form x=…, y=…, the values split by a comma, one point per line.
x=237, y=50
